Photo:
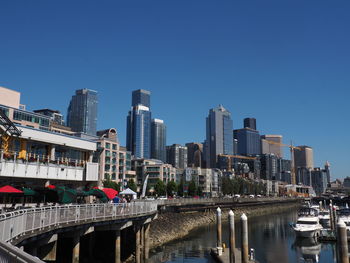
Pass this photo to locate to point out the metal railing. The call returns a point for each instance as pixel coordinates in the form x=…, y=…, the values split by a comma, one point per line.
x=21, y=222
x=11, y=254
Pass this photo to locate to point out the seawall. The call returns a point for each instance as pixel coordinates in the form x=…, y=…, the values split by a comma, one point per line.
x=170, y=226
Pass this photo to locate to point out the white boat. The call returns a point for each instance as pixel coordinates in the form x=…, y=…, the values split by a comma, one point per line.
x=324, y=218
x=307, y=224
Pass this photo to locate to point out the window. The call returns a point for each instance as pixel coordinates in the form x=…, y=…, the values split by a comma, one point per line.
x=108, y=153
x=108, y=145
x=114, y=146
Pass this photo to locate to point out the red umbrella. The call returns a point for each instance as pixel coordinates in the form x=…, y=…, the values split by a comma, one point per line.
x=51, y=186
x=110, y=192
x=10, y=190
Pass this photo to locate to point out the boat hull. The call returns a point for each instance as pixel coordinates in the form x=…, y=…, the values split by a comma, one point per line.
x=307, y=233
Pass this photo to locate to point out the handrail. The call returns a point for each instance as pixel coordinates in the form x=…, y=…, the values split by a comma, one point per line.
x=21, y=222
x=10, y=253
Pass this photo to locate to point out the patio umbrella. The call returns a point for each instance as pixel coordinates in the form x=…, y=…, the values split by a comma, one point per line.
x=99, y=194
x=66, y=195
x=110, y=192
x=51, y=186
x=29, y=192
x=7, y=189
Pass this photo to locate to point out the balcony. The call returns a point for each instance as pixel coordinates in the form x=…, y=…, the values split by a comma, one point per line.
x=37, y=167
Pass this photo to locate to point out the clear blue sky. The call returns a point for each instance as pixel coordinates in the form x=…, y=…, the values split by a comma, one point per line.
x=286, y=63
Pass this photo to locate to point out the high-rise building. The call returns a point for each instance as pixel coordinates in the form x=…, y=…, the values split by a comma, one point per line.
x=269, y=167
x=248, y=141
x=158, y=139
x=139, y=132
x=141, y=97
x=319, y=180
x=303, y=157
x=177, y=155
x=273, y=147
x=250, y=123
x=219, y=134
x=194, y=154
x=82, y=111
x=328, y=171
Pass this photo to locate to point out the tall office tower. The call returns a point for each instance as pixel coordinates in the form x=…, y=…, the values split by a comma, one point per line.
x=158, y=139
x=82, y=111
x=328, y=171
x=304, y=157
x=219, y=134
x=319, y=180
x=194, y=154
x=250, y=123
x=248, y=141
x=271, y=144
x=269, y=167
x=141, y=97
x=177, y=155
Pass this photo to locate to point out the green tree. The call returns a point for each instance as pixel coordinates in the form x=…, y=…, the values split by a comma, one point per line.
x=192, y=188
x=108, y=183
x=180, y=188
x=227, y=186
x=160, y=188
x=132, y=185
x=171, y=188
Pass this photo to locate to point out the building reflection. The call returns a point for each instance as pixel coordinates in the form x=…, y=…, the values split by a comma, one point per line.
x=308, y=250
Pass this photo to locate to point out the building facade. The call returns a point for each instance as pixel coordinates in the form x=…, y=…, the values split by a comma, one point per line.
x=271, y=144
x=250, y=123
x=319, y=180
x=158, y=139
x=82, y=111
x=194, y=154
x=177, y=155
x=138, y=134
x=219, y=127
x=248, y=141
x=303, y=157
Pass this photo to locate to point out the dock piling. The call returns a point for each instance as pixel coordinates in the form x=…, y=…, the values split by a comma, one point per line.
x=244, y=221
x=342, y=242
x=218, y=227
x=231, y=219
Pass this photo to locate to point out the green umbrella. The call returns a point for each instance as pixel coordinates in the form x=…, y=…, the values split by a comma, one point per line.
x=99, y=194
x=29, y=192
x=66, y=195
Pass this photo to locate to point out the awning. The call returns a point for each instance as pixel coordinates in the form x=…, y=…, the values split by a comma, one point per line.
x=66, y=195
x=99, y=194
x=128, y=191
x=110, y=192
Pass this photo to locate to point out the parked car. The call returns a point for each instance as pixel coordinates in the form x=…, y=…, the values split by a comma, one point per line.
x=251, y=196
x=237, y=196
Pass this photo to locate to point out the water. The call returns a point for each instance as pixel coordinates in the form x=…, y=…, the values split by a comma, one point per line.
x=271, y=237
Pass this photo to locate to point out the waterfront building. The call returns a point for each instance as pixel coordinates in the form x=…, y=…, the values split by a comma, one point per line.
x=272, y=148
x=194, y=154
x=55, y=115
x=219, y=127
x=125, y=170
x=250, y=123
x=304, y=157
x=283, y=170
x=205, y=178
x=138, y=134
x=319, y=180
x=82, y=111
x=158, y=139
x=38, y=157
x=177, y=155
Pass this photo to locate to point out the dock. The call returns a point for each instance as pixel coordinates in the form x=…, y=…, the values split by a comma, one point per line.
x=224, y=258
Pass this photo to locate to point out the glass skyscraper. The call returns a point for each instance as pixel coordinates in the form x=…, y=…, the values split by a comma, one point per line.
x=219, y=134
x=158, y=139
x=138, y=134
x=82, y=111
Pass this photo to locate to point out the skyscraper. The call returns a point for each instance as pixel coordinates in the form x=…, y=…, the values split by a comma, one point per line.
x=138, y=134
x=158, y=139
x=141, y=97
x=82, y=111
x=194, y=154
x=304, y=158
x=272, y=148
x=250, y=123
x=219, y=134
x=248, y=141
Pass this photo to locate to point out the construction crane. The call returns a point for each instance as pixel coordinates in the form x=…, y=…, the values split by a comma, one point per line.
x=228, y=156
x=292, y=148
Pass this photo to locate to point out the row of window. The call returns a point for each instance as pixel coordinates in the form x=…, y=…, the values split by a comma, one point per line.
x=23, y=116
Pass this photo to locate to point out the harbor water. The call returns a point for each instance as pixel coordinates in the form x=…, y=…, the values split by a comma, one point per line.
x=271, y=236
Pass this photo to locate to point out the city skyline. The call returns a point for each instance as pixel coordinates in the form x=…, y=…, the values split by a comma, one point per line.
x=283, y=64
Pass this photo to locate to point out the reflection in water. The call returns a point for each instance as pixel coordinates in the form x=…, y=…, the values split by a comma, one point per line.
x=271, y=236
